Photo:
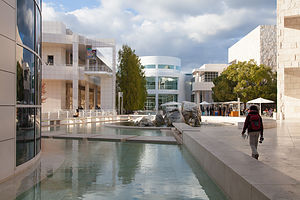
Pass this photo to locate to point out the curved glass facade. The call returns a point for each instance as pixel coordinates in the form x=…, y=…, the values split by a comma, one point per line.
x=28, y=67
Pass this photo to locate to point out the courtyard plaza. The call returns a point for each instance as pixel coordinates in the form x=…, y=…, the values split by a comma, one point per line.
x=280, y=149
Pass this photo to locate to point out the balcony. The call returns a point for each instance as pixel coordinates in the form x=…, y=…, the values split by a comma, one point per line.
x=202, y=86
x=98, y=70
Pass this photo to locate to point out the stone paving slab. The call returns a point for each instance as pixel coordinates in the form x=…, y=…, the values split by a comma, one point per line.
x=72, y=136
x=181, y=127
x=220, y=150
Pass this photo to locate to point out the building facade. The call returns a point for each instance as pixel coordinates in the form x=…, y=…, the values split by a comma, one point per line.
x=20, y=84
x=76, y=74
x=203, y=81
x=188, y=87
x=288, y=69
x=260, y=45
x=164, y=80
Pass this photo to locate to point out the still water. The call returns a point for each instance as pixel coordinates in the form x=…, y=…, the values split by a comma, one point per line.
x=109, y=170
x=100, y=128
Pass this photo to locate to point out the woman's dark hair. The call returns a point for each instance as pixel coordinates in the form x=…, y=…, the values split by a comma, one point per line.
x=253, y=107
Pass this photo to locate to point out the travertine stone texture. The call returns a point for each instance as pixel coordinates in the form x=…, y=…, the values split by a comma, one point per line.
x=288, y=68
x=7, y=88
x=259, y=45
x=268, y=45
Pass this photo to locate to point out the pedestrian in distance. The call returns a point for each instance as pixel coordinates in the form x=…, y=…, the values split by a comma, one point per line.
x=255, y=128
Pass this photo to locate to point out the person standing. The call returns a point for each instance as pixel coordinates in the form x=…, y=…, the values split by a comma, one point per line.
x=255, y=128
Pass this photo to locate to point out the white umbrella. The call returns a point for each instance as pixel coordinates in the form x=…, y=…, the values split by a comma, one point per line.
x=204, y=103
x=260, y=101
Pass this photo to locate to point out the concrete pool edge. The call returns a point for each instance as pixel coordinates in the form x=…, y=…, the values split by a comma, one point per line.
x=237, y=174
x=136, y=127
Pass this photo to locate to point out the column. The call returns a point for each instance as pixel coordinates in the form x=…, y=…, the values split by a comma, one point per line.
x=87, y=93
x=75, y=71
x=95, y=96
x=198, y=97
x=113, y=78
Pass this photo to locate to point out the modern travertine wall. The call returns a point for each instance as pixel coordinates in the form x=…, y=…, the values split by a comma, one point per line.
x=259, y=44
x=288, y=69
x=7, y=88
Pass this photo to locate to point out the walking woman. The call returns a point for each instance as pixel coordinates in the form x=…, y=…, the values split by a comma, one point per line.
x=255, y=128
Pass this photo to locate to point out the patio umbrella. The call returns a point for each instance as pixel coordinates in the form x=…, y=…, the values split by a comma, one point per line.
x=260, y=101
x=204, y=103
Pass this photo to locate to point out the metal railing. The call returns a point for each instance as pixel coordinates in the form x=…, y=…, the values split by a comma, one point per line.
x=69, y=114
x=95, y=68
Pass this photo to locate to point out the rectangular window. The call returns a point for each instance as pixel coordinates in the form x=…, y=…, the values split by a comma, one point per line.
x=209, y=76
x=150, y=83
x=164, y=98
x=168, y=83
x=50, y=60
x=178, y=68
x=26, y=75
x=149, y=66
x=150, y=102
x=165, y=66
x=25, y=122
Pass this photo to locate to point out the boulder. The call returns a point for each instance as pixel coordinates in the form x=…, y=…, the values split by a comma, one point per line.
x=172, y=115
x=191, y=113
x=144, y=121
x=159, y=120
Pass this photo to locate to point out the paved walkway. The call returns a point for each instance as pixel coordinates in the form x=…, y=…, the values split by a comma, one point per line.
x=280, y=149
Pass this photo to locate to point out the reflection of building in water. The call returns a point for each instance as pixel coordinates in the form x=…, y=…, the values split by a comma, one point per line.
x=77, y=74
x=20, y=64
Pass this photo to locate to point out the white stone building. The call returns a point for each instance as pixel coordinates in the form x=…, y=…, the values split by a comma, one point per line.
x=203, y=81
x=288, y=69
x=165, y=82
x=260, y=45
x=76, y=74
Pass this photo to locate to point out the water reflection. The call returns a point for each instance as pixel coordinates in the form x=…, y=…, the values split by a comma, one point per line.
x=99, y=128
x=106, y=170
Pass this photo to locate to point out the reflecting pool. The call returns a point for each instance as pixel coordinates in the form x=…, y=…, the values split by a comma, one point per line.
x=100, y=128
x=109, y=170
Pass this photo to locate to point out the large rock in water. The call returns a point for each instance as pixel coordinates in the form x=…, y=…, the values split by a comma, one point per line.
x=172, y=115
x=191, y=113
x=144, y=121
x=159, y=120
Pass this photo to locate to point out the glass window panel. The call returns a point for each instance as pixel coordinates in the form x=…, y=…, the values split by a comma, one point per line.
x=150, y=83
x=149, y=66
x=164, y=98
x=150, y=102
x=38, y=33
x=38, y=130
x=165, y=66
x=168, y=83
x=209, y=76
x=178, y=68
x=25, y=76
x=25, y=135
x=38, y=86
x=25, y=22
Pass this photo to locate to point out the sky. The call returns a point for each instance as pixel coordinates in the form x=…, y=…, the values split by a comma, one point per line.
x=196, y=31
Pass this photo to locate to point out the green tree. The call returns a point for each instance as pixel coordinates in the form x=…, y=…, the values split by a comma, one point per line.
x=245, y=80
x=131, y=79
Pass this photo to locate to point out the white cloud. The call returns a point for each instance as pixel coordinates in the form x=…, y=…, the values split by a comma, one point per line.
x=168, y=27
